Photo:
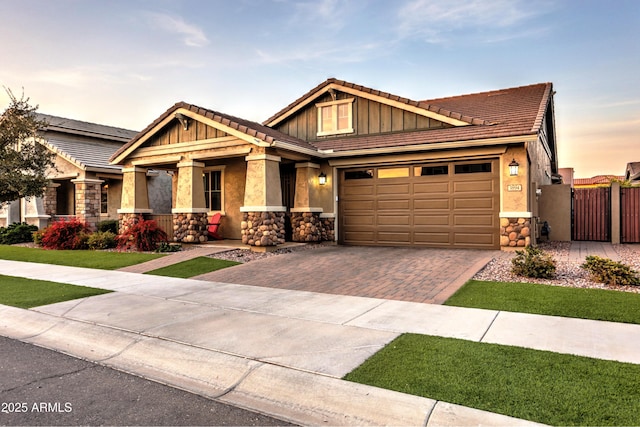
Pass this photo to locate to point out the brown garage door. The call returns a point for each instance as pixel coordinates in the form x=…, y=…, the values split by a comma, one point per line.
x=452, y=204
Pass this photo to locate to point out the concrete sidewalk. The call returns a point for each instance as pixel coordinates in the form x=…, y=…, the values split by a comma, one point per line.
x=276, y=351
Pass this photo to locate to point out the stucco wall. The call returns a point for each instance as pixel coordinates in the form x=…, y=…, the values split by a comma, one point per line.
x=555, y=208
x=234, y=179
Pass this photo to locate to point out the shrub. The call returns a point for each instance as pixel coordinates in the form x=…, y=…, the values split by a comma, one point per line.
x=168, y=247
x=111, y=225
x=610, y=272
x=102, y=240
x=533, y=262
x=62, y=234
x=17, y=233
x=144, y=236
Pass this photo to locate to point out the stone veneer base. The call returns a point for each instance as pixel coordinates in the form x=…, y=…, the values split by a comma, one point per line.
x=190, y=227
x=310, y=227
x=515, y=232
x=262, y=228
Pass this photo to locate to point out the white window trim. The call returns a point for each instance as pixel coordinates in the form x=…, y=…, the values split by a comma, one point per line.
x=221, y=169
x=334, y=115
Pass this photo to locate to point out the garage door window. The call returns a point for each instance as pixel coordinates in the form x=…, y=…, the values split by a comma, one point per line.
x=431, y=170
x=363, y=174
x=473, y=168
x=393, y=173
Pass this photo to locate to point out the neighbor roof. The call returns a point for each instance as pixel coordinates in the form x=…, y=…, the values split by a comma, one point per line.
x=597, y=180
x=77, y=127
x=86, y=145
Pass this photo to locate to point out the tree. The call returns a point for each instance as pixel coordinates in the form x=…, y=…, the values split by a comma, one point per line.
x=23, y=161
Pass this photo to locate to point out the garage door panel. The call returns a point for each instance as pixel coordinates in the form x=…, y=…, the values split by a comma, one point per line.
x=400, y=219
x=358, y=220
x=393, y=189
x=473, y=186
x=477, y=220
x=442, y=219
x=356, y=190
x=433, y=237
x=358, y=205
x=473, y=203
x=431, y=188
x=394, y=237
x=393, y=204
x=431, y=204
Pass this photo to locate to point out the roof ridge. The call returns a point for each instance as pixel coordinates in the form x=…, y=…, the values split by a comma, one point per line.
x=387, y=95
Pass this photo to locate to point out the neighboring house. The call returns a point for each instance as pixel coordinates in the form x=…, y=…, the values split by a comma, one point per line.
x=349, y=163
x=632, y=173
x=597, y=181
x=83, y=184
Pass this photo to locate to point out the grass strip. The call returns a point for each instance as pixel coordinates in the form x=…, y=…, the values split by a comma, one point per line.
x=545, y=387
x=596, y=304
x=89, y=259
x=193, y=267
x=28, y=293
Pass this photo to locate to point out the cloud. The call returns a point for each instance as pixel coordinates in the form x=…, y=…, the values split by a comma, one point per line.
x=191, y=34
x=442, y=21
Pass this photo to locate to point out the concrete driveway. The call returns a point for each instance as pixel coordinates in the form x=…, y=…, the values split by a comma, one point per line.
x=405, y=274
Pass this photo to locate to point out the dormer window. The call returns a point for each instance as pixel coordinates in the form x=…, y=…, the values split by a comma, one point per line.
x=335, y=117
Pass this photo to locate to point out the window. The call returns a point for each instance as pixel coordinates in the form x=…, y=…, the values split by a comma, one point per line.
x=104, y=197
x=474, y=168
x=335, y=117
x=213, y=190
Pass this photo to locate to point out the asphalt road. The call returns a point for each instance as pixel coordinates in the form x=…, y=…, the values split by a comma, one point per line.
x=43, y=387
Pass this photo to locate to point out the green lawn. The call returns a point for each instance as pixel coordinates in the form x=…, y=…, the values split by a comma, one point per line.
x=545, y=387
x=27, y=293
x=594, y=304
x=90, y=259
x=193, y=267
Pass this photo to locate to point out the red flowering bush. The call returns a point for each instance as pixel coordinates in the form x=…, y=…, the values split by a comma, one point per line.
x=143, y=236
x=71, y=234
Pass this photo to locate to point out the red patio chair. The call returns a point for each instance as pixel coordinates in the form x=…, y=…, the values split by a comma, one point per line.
x=212, y=228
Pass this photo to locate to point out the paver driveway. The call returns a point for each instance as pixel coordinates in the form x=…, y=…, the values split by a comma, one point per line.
x=406, y=274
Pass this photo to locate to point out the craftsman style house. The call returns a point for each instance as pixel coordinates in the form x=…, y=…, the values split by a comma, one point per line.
x=83, y=184
x=348, y=163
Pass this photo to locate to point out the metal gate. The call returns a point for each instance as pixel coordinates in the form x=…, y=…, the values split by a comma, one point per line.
x=630, y=215
x=591, y=214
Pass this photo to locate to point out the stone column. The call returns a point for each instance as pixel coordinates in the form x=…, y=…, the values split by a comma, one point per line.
x=190, y=212
x=263, y=214
x=88, y=201
x=135, y=197
x=306, y=216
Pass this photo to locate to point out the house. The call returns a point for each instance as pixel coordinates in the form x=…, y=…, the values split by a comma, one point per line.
x=356, y=165
x=597, y=181
x=83, y=183
x=632, y=173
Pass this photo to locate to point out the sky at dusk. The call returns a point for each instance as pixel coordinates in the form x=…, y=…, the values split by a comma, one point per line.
x=123, y=63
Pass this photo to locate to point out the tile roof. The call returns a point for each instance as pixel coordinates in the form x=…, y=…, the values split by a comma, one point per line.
x=598, y=179
x=502, y=113
x=85, y=154
x=248, y=127
x=86, y=145
x=309, y=96
x=70, y=126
